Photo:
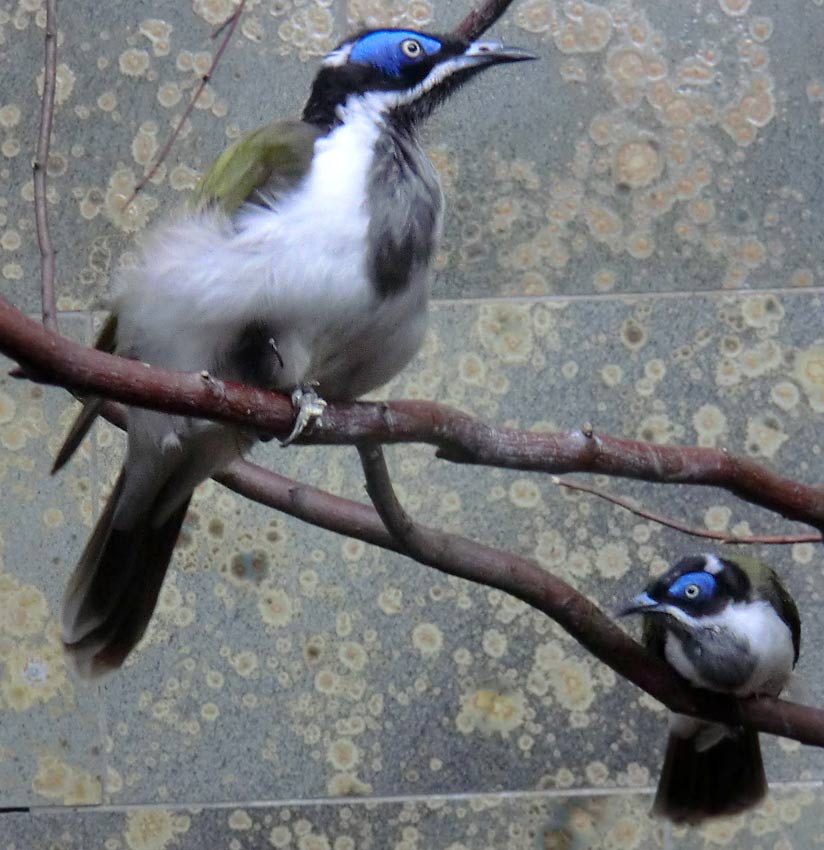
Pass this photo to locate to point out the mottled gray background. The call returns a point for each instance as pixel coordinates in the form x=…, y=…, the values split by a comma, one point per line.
x=633, y=239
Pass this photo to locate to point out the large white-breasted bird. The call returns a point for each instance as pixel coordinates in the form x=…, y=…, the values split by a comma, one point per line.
x=301, y=265
x=727, y=624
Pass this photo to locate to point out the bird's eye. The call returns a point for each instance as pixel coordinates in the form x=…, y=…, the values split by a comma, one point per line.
x=411, y=48
x=691, y=591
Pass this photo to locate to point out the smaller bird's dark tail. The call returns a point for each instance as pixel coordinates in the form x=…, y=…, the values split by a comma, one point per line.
x=113, y=591
x=725, y=779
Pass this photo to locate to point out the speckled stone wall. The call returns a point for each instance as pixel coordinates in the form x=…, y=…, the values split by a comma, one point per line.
x=632, y=239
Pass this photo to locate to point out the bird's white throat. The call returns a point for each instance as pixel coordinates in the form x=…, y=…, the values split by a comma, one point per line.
x=755, y=625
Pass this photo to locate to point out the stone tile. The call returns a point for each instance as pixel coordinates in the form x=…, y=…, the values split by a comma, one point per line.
x=467, y=824
x=50, y=739
x=581, y=173
x=429, y=15
x=789, y=818
x=285, y=662
x=612, y=165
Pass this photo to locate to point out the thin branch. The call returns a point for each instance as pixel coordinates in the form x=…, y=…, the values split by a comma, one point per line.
x=629, y=505
x=51, y=359
x=307, y=503
x=424, y=545
x=40, y=167
x=478, y=21
x=580, y=618
x=221, y=28
x=229, y=25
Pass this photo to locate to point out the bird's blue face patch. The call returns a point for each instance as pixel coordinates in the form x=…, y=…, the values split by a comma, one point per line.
x=693, y=587
x=390, y=51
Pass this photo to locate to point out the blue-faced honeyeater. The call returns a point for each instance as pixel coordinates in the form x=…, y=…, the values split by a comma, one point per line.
x=728, y=624
x=301, y=265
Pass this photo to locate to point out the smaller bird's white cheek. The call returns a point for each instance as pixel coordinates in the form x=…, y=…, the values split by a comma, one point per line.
x=771, y=642
x=713, y=565
x=337, y=58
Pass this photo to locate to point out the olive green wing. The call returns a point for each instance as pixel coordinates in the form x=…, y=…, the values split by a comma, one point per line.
x=106, y=341
x=265, y=163
x=767, y=583
x=787, y=610
x=260, y=166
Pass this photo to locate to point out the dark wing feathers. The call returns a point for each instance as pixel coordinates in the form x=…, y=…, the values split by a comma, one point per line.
x=726, y=779
x=106, y=341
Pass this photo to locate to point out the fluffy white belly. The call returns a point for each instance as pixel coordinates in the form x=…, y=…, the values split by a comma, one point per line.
x=763, y=637
x=298, y=266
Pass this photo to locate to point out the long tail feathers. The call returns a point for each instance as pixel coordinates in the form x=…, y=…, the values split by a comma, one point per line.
x=725, y=779
x=113, y=592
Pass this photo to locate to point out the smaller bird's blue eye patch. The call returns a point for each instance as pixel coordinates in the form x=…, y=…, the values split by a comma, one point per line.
x=391, y=51
x=693, y=586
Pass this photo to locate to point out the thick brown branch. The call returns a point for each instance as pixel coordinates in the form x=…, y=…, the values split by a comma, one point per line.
x=229, y=26
x=583, y=620
x=40, y=168
x=628, y=505
x=457, y=556
x=49, y=358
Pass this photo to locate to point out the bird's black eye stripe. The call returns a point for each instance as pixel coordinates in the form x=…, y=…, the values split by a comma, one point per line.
x=411, y=48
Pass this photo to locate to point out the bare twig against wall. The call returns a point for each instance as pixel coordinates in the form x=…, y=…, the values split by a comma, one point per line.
x=684, y=528
x=228, y=30
x=40, y=167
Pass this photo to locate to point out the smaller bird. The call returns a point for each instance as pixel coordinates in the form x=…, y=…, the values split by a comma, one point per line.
x=727, y=624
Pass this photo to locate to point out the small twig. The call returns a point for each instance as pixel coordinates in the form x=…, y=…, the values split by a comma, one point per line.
x=413, y=540
x=40, y=168
x=221, y=28
x=626, y=504
x=229, y=25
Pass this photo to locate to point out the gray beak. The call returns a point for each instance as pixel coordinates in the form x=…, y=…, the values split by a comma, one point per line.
x=641, y=604
x=493, y=53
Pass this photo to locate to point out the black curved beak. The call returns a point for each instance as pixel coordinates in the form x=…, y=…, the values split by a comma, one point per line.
x=643, y=603
x=494, y=53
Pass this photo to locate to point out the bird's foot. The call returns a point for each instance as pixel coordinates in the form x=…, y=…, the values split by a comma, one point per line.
x=309, y=406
